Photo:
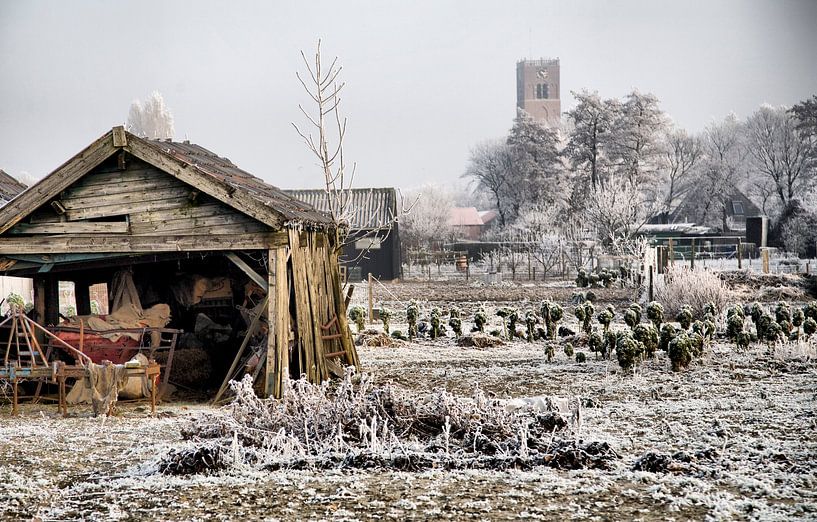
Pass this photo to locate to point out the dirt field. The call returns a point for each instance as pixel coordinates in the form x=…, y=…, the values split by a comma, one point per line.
x=746, y=422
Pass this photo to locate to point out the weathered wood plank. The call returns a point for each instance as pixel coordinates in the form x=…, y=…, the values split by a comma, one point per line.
x=125, y=208
x=123, y=243
x=59, y=180
x=79, y=227
x=81, y=190
x=248, y=270
x=272, y=371
x=120, y=138
x=181, y=193
x=208, y=184
x=219, y=230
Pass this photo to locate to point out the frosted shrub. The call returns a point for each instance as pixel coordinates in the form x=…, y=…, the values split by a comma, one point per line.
x=683, y=286
x=359, y=423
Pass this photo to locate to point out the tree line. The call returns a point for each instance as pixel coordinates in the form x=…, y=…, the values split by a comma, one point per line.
x=617, y=163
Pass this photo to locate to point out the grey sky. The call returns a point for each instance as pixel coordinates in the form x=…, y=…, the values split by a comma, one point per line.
x=426, y=80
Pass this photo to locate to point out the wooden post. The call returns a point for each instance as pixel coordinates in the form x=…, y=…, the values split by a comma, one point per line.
x=272, y=357
x=764, y=255
x=670, y=252
x=740, y=254
x=82, y=295
x=371, y=299
x=692, y=253
x=16, y=396
x=650, y=286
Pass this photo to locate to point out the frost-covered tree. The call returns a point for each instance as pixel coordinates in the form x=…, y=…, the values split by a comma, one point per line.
x=617, y=212
x=778, y=153
x=636, y=134
x=680, y=154
x=428, y=220
x=589, y=139
x=151, y=119
x=489, y=168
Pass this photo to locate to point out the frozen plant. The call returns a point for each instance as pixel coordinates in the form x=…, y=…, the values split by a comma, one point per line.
x=412, y=314
x=454, y=321
x=581, y=357
x=809, y=327
x=435, y=317
x=685, y=317
x=647, y=335
x=797, y=318
x=385, y=315
x=810, y=310
x=668, y=333
x=655, y=313
x=480, y=318
x=358, y=315
x=568, y=349
x=584, y=313
x=782, y=312
x=596, y=343
x=629, y=351
x=705, y=329
x=632, y=315
x=551, y=313
x=734, y=322
x=680, y=352
x=605, y=317
x=530, y=323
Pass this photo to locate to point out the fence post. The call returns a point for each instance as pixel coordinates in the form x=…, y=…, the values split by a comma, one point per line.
x=764, y=256
x=671, y=252
x=650, y=287
x=740, y=254
x=371, y=314
x=692, y=253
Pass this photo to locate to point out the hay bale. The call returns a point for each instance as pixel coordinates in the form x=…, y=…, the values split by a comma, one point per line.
x=377, y=339
x=191, y=367
x=478, y=340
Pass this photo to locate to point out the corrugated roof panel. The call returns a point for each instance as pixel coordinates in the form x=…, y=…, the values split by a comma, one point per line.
x=367, y=208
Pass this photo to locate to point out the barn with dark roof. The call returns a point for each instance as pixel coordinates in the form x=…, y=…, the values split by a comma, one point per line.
x=166, y=211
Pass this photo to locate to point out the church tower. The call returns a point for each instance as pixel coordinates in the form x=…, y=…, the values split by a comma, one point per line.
x=537, y=90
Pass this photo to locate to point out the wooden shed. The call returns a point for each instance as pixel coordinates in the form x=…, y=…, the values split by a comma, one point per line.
x=166, y=210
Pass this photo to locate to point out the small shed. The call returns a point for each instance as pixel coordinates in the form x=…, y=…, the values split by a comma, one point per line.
x=170, y=210
x=373, y=244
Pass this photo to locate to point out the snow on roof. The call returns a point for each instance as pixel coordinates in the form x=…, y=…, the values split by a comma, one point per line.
x=488, y=215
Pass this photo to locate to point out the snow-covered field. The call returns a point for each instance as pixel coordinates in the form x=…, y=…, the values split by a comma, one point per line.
x=746, y=423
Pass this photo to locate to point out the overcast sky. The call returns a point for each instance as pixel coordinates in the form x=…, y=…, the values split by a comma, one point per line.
x=426, y=80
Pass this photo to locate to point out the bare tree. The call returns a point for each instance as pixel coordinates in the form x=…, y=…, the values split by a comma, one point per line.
x=618, y=212
x=636, y=137
x=489, y=168
x=778, y=152
x=429, y=218
x=151, y=119
x=592, y=120
x=680, y=156
x=325, y=140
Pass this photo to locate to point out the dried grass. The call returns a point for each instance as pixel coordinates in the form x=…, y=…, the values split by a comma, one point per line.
x=365, y=425
x=478, y=340
x=694, y=287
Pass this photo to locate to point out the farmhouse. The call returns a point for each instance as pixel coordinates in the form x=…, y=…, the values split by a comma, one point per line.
x=173, y=224
x=373, y=245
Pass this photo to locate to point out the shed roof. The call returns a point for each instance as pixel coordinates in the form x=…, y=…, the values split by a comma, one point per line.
x=192, y=164
x=370, y=208
x=9, y=187
x=225, y=171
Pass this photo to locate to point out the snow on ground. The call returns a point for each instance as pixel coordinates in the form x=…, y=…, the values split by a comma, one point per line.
x=752, y=415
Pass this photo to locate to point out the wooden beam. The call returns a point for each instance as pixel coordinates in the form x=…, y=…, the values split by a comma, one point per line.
x=247, y=269
x=82, y=295
x=50, y=186
x=90, y=227
x=120, y=137
x=138, y=244
x=277, y=352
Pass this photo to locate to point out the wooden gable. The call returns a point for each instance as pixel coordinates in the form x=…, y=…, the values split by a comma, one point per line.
x=122, y=195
